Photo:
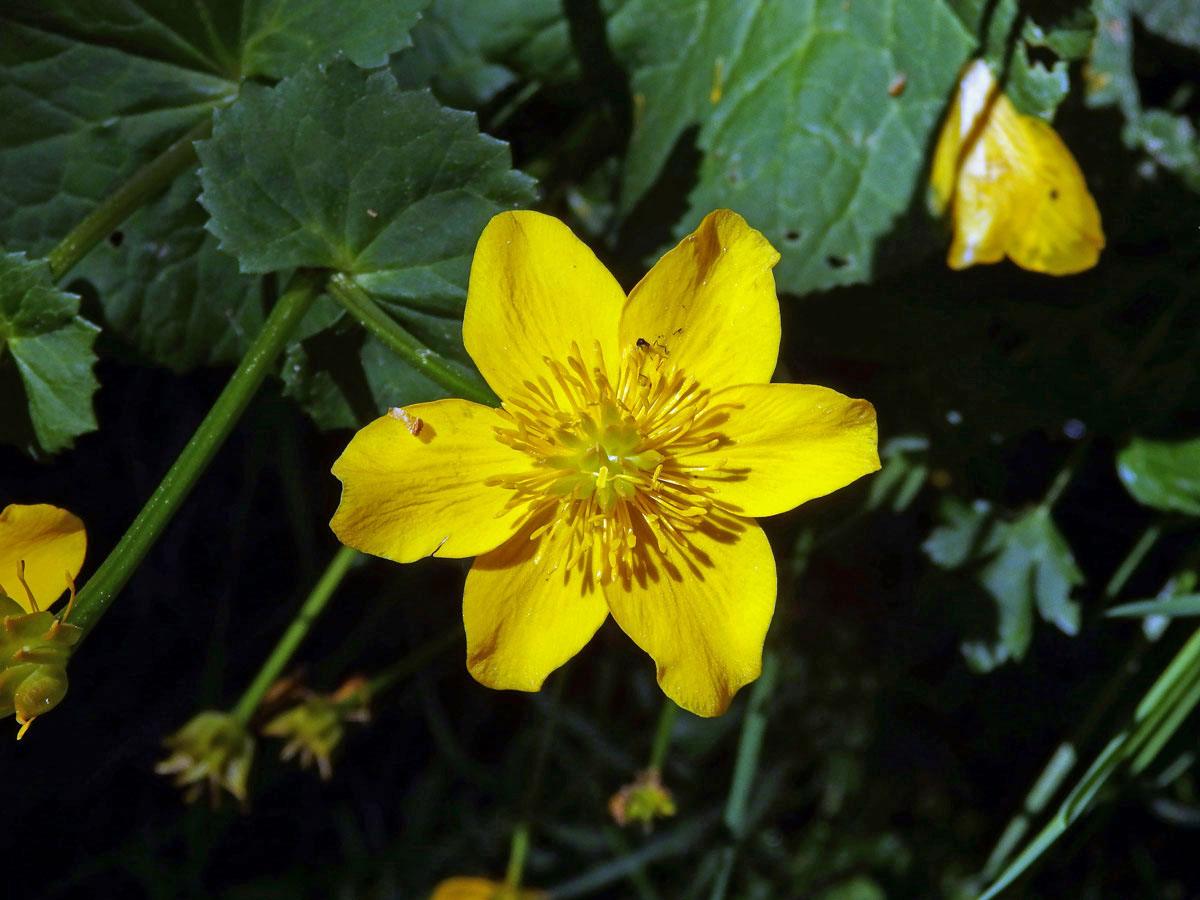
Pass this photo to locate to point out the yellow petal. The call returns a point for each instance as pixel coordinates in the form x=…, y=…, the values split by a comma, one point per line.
x=406, y=496
x=784, y=444
x=526, y=613
x=535, y=289
x=701, y=612
x=51, y=541
x=461, y=888
x=1011, y=185
x=710, y=304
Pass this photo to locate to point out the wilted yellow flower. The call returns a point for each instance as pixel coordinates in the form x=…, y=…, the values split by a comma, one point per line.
x=1011, y=185
x=41, y=552
x=460, y=888
x=637, y=437
x=214, y=750
x=314, y=727
x=643, y=800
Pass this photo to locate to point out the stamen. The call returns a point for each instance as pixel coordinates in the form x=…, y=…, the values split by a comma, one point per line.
x=610, y=456
x=21, y=578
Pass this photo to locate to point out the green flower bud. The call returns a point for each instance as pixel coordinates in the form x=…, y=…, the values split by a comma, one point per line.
x=34, y=649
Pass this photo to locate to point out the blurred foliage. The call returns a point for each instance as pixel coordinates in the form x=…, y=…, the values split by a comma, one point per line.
x=941, y=631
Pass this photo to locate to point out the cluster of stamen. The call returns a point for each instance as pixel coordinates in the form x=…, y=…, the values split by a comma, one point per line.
x=613, y=461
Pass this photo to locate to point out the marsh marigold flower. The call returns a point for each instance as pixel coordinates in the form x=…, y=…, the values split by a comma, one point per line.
x=1010, y=184
x=41, y=552
x=637, y=437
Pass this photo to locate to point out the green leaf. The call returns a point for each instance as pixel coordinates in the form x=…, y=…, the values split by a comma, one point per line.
x=1179, y=605
x=1162, y=474
x=904, y=473
x=469, y=52
x=1166, y=134
x=286, y=35
x=46, y=359
x=166, y=289
x=339, y=168
x=1034, y=565
x=1024, y=564
x=954, y=543
x=81, y=117
x=93, y=91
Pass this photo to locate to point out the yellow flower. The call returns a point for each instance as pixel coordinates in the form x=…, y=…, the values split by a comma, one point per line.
x=1011, y=185
x=460, y=888
x=49, y=543
x=41, y=552
x=638, y=436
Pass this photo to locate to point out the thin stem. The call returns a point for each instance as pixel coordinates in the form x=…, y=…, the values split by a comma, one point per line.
x=454, y=378
x=93, y=601
x=754, y=726
x=662, y=733
x=520, y=838
x=1067, y=472
x=1133, y=559
x=516, y=856
x=295, y=633
x=128, y=198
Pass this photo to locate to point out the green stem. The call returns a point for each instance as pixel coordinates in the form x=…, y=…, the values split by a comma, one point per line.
x=93, y=601
x=282, y=654
x=1067, y=472
x=128, y=198
x=1133, y=559
x=517, y=855
x=520, y=838
x=662, y=733
x=457, y=380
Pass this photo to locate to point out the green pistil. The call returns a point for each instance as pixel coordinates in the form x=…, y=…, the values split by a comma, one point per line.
x=600, y=457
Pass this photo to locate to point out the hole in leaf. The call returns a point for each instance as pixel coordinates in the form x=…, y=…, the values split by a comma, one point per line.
x=117, y=238
x=836, y=262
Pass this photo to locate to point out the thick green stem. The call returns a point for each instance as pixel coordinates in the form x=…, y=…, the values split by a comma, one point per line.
x=128, y=199
x=96, y=596
x=457, y=380
x=282, y=654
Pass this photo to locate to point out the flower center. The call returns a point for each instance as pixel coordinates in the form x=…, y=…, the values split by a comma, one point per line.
x=614, y=462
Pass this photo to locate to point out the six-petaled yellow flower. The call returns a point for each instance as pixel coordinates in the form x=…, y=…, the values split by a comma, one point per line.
x=637, y=438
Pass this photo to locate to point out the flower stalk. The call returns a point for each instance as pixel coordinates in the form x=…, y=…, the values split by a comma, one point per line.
x=457, y=380
x=93, y=601
x=295, y=633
